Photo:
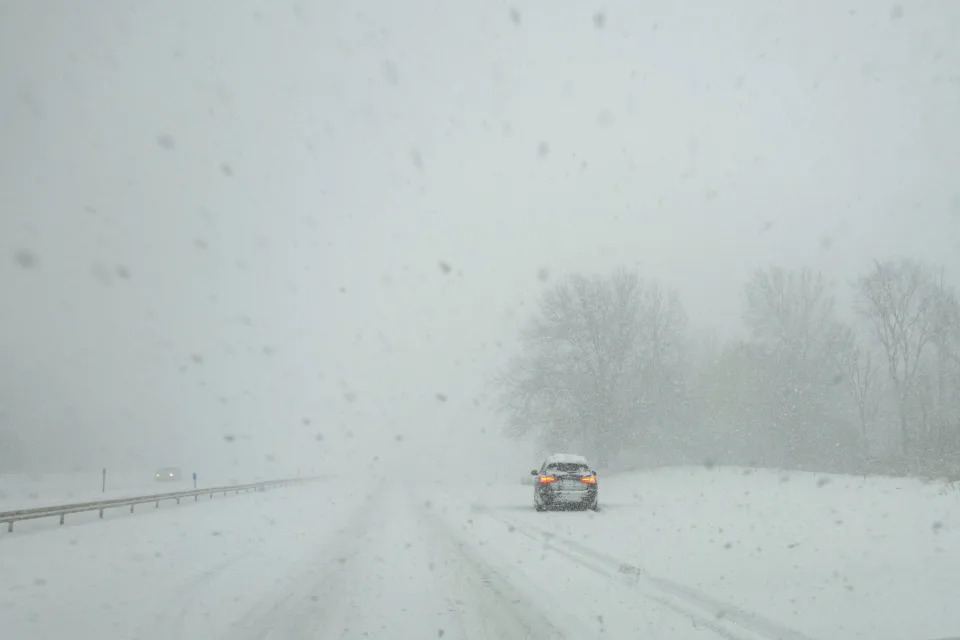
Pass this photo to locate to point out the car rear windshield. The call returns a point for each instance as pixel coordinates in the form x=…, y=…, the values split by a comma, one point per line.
x=567, y=466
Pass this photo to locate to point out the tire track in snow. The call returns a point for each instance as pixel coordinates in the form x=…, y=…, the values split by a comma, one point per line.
x=462, y=597
x=723, y=618
x=499, y=609
x=305, y=600
x=178, y=626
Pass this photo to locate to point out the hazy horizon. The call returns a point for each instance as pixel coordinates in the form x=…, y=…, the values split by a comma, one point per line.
x=233, y=230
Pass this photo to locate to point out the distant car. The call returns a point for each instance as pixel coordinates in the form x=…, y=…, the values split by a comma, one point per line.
x=565, y=480
x=168, y=474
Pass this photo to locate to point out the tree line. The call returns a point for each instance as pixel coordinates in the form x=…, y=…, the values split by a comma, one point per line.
x=608, y=366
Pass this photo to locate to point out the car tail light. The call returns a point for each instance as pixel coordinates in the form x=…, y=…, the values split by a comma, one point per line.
x=589, y=479
x=547, y=479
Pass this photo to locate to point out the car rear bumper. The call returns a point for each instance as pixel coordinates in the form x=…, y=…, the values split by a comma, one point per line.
x=556, y=497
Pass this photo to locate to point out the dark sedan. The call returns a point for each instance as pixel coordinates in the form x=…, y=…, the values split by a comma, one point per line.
x=566, y=481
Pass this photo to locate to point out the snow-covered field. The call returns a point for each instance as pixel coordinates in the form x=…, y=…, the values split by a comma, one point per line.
x=675, y=553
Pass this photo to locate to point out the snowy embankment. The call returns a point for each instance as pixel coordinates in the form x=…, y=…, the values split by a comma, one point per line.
x=826, y=556
x=675, y=553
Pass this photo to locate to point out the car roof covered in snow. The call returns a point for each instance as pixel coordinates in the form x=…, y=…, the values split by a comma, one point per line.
x=570, y=458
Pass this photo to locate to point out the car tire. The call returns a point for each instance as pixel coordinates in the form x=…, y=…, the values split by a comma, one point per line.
x=537, y=504
x=595, y=506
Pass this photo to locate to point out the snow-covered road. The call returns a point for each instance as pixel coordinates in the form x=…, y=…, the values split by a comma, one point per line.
x=678, y=553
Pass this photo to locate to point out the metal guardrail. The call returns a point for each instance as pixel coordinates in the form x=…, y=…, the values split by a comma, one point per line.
x=9, y=517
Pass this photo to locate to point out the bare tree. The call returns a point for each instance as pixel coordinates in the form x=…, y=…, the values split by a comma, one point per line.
x=595, y=363
x=899, y=299
x=793, y=310
x=859, y=371
x=793, y=324
x=735, y=406
x=944, y=392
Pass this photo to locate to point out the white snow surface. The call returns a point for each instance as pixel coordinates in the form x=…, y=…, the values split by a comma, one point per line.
x=674, y=553
x=568, y=458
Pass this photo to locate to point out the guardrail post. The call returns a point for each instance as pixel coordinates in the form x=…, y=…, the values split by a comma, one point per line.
x=131, y=508
x=157, y=506
x=195, y=497
x=178, y=500
x=61, y=518
x=10, y=527
x=101, y=514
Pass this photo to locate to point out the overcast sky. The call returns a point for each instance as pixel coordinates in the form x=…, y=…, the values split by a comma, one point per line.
x=226, y=219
